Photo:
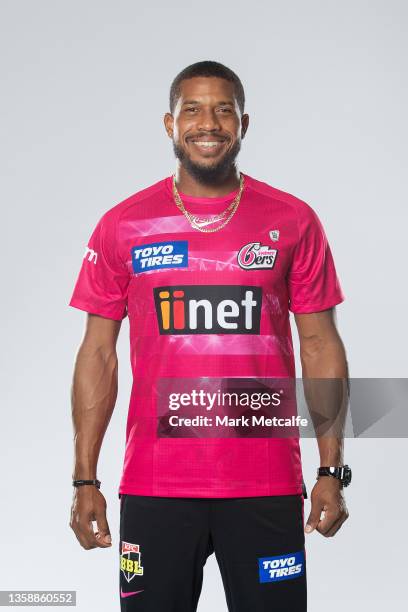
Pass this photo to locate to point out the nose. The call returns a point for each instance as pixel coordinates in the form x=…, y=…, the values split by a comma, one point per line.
x=208, y=121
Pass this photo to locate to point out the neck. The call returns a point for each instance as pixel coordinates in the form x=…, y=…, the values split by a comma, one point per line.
x=189, y=185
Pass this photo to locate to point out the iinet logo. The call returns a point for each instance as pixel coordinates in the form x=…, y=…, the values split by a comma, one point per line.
x=208, y=309
x=90, y=255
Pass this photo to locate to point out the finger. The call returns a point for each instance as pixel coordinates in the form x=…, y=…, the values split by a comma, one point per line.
x=82, y=537
x=330, y=519
x=84, y=532
x=335, y=527
x=87, y=534
x=78, y=529
x=103, y=534
x=314, y=517
x=84, y=541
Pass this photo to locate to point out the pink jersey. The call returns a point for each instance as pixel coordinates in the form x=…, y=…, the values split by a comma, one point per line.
x=206, y=306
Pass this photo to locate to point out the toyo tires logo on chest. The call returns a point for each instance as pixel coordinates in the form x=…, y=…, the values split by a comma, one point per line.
x=208, y=309
x=159, y=255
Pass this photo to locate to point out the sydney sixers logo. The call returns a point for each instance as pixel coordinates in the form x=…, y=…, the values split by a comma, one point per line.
x=256, y=256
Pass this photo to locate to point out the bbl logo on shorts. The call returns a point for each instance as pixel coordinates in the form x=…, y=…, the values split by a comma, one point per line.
x=159, y=255
x=130, y=562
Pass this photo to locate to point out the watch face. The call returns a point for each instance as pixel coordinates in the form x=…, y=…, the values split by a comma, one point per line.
x=346, y=476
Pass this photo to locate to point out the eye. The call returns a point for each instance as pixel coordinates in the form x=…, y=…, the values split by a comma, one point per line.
x=225, y=110
x=190, y=109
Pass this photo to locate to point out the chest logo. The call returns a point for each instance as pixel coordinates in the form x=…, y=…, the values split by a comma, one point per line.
x=173, y=254
x=274, y=235
x=256, y=256
x=208, y=309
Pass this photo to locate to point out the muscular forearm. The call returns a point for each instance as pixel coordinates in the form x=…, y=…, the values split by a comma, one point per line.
x=325, y=381
x=94, y=392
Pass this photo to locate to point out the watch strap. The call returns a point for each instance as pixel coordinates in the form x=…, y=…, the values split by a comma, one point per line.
x=80, y=483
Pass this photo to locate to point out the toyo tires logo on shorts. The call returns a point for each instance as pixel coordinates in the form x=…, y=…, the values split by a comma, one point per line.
x=256, y=256
x=208, y=309
x=284, y=567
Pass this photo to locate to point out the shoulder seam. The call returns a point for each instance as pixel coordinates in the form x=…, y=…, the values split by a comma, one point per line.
x=127, y=203
x=284, y=200
x=285, y=197
x=135, y=197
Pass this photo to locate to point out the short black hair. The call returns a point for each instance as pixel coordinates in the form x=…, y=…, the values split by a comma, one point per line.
x=207, y=69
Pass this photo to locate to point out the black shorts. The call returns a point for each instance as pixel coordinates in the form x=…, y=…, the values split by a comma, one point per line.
x=258, y=543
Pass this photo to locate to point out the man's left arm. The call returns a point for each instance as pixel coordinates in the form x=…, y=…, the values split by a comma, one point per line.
x=323, y=356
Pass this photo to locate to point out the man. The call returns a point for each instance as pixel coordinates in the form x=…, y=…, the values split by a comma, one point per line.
x=207, y=265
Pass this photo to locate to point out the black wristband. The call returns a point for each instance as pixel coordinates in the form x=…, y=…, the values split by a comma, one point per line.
x=80, y=483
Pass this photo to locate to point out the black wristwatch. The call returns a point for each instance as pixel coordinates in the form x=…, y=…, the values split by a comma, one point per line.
x=342, y=473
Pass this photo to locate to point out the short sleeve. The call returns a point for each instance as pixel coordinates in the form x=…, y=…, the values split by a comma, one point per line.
x=313, y=284
x=102, y=284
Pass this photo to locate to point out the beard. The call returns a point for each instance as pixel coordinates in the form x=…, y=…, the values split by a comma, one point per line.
x=208, y=174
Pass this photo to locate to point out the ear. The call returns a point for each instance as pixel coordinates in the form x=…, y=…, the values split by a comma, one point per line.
x=244, y=124
x=169, y=124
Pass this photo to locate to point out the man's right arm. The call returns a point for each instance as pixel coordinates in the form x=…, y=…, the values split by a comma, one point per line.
x=94, y=392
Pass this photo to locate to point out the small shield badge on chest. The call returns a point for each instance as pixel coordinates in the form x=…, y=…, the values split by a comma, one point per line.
x=274, y=235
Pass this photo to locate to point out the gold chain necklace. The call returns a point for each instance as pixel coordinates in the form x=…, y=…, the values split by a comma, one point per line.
x=195, y=220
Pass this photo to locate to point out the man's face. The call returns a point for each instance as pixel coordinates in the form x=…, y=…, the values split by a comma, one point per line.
x=206, y=127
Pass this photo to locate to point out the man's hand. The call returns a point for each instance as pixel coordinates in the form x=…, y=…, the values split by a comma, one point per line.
x=90, y=505
x=327, y=496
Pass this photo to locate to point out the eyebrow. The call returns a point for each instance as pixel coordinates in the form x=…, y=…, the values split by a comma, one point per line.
x=223, y=102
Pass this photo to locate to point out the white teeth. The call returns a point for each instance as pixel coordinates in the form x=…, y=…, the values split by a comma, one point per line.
x=205, y=143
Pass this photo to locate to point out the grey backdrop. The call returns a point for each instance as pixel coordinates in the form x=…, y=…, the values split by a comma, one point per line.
x=85, y=86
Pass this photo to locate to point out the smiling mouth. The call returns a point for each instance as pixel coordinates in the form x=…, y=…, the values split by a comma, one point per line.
x=208, y=145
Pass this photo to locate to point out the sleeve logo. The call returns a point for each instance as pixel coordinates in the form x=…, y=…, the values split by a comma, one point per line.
x=159, y=255
x=90, y=255
x=284, y=567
